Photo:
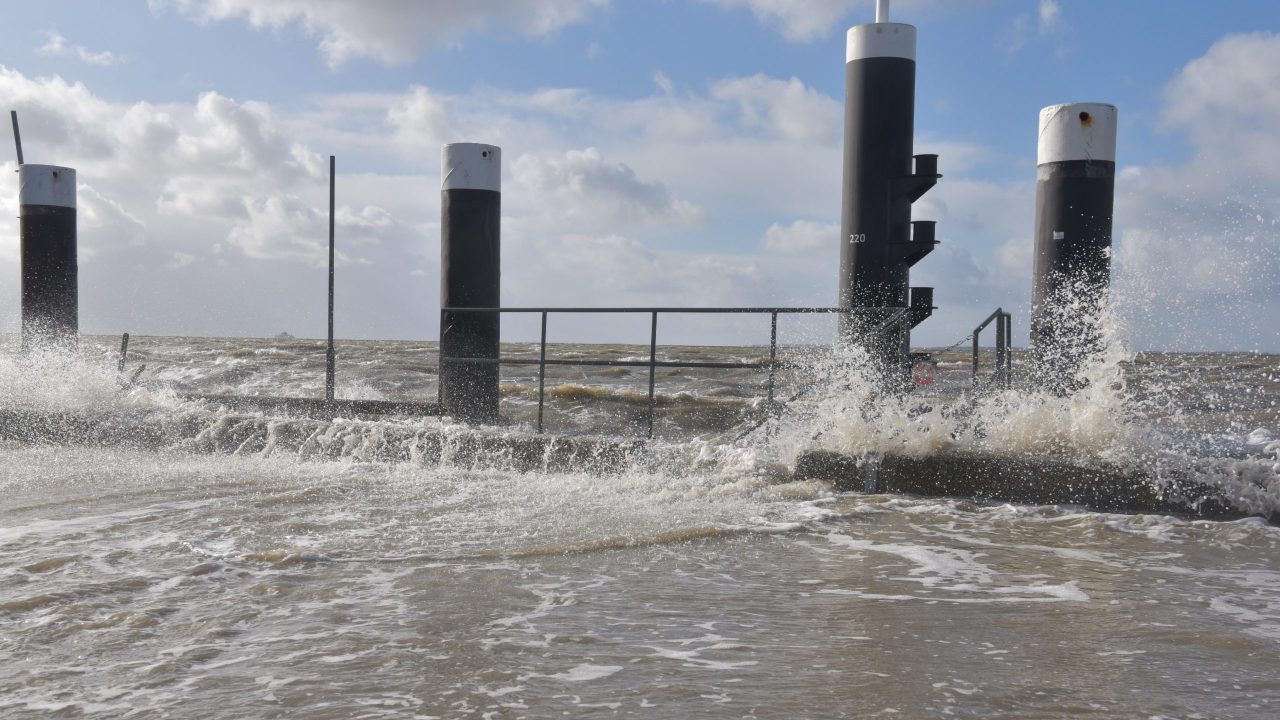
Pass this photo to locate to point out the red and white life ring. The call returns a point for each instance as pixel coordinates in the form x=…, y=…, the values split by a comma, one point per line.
x=924, y=372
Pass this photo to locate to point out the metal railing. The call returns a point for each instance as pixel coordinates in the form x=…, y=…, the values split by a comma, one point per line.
x=896, y=315
x=1004, y=358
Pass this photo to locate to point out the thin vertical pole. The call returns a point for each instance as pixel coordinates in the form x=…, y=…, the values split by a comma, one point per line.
x=975, y=355
x=542, y=369
x=1008, y=351
x=653, y=359
x=773, y=352
x=1000, y=347
x=329, y=356
x=124, y=351
x=17, y=137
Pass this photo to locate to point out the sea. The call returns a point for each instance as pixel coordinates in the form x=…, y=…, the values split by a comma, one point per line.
x=195, y=561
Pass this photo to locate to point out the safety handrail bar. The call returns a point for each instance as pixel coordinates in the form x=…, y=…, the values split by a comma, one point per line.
x=772, y=365
x=670, y=310
x=1004, y=335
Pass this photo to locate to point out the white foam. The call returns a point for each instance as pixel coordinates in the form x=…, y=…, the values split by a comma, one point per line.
x=953, y=570
x=585, y=672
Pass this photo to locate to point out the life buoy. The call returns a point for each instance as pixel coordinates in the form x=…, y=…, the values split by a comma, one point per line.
x=924, y=372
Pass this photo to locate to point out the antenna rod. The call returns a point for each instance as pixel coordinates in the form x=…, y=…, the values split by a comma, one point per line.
x=882, y=11
x=17, y=138
x=329, y=357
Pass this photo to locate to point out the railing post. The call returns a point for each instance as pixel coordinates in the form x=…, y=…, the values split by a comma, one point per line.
x=542, y=369
x=1000, y=346
x=330, y=358
x=653, y=359
x=773, y=353
x=1008, y=358
x=976, y=332
x=1007, y=368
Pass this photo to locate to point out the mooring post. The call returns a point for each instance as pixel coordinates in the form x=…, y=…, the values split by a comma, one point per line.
x=1075, y=196
x=470, y=276
x=50, y=303
x=882, y=179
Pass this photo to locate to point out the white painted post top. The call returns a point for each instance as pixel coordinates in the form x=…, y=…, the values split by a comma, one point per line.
x=49, y=185
x=471, y=166
x=1077, y=131
x=886, y=39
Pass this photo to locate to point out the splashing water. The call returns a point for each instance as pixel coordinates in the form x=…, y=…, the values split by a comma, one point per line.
x=165, y=556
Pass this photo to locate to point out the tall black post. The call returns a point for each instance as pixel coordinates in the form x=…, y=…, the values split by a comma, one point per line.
x=1075, y=196
x=879, y=243
x=470, y=276
x=50, y=275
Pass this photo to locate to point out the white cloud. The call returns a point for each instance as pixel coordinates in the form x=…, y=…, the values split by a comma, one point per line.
x=57, y=46
x=390, y=31
x=1198, y=252
x=1050, y=16
x=604, y=197
x=107, y=220
x=786, y=108
x=584, y=190
x=1228, y=101
x=801, y=236
x=808, y=20
x=1048, y=22
x=663, y=82
x=1015, y=37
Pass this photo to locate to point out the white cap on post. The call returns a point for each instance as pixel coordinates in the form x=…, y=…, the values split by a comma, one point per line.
x=471, y=166
x=1077, y=131
x=872, y=40
x=48, y=185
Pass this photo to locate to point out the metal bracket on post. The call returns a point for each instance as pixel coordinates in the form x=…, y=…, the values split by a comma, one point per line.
x=923, y=241
x=921, y=307
x=925, y=176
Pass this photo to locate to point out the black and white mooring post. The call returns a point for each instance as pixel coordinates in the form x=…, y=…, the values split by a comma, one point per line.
x=1075, y=196
x=879, y=242
x=50, y=275
x=470, y=276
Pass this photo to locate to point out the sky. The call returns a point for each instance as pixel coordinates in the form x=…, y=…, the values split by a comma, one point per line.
x=655, y=153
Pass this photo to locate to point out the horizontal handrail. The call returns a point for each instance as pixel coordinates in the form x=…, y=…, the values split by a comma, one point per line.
x=624, y=363
x=896, y=315
x=673, y=310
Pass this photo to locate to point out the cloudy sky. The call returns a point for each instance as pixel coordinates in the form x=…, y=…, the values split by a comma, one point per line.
x=657, y=152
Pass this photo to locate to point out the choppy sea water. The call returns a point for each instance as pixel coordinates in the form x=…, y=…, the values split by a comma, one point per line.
x=346, y=574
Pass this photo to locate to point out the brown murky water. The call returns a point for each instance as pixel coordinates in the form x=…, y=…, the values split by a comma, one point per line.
x=170, y=582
